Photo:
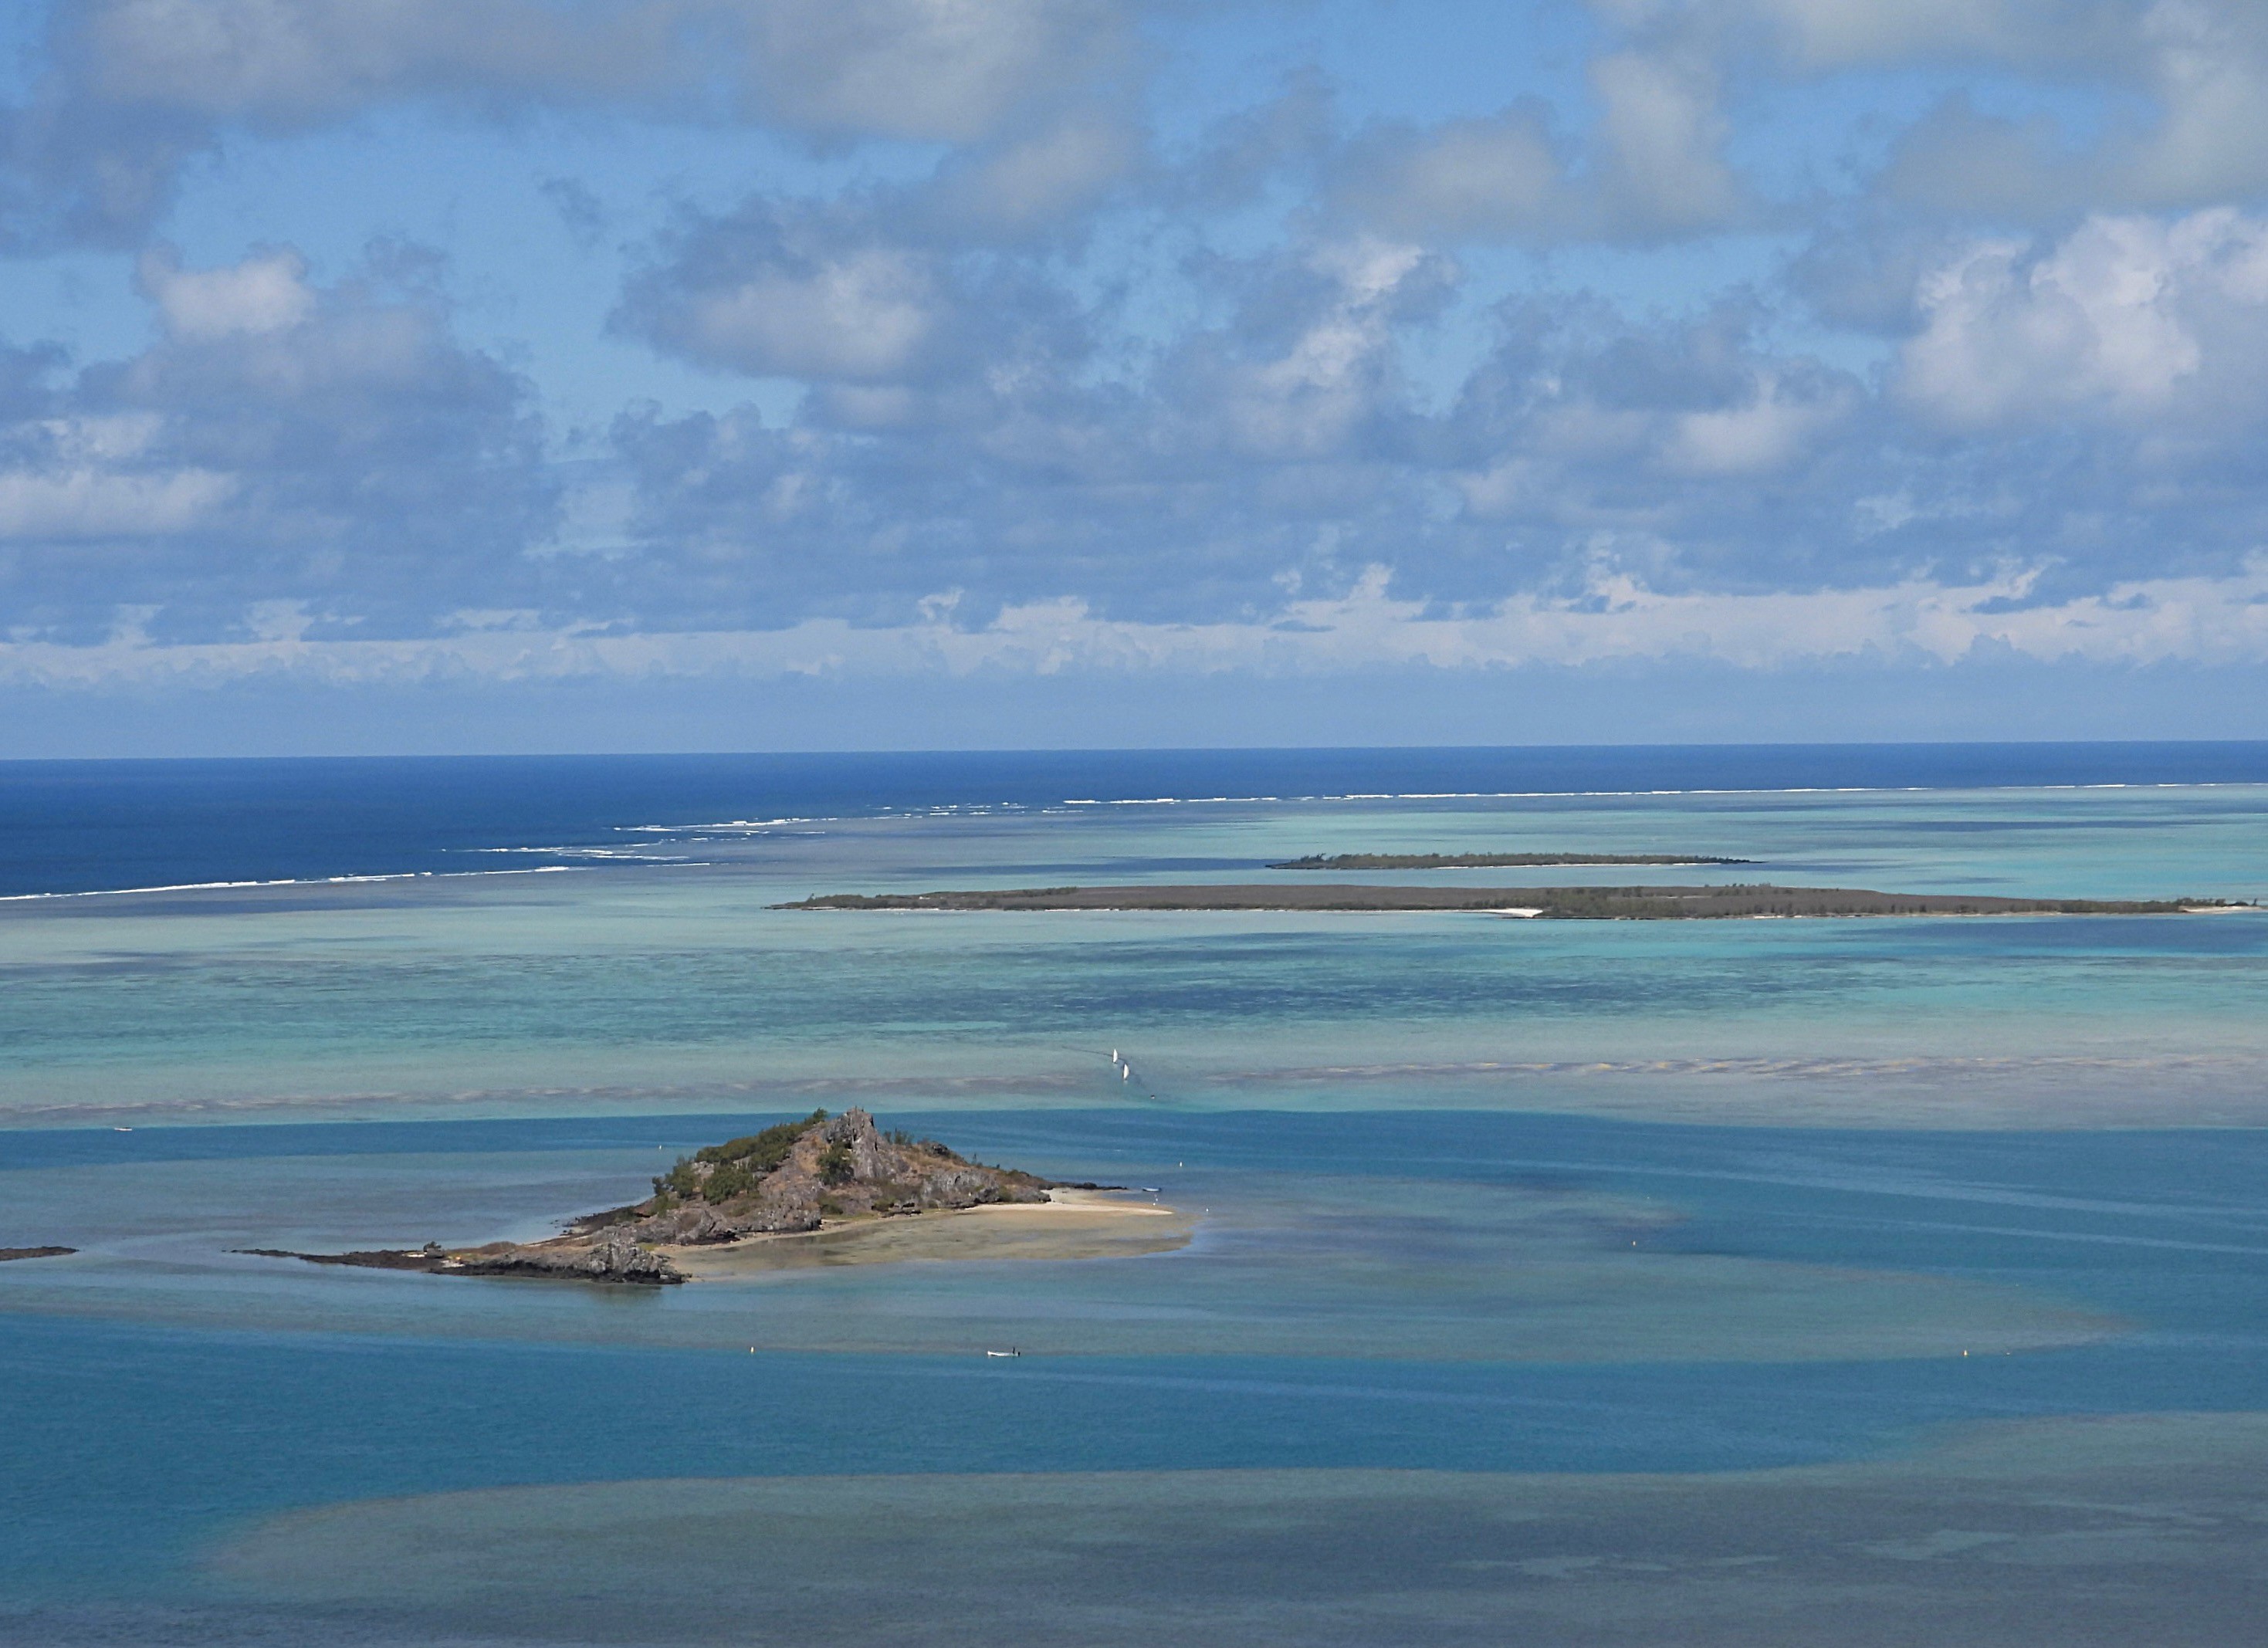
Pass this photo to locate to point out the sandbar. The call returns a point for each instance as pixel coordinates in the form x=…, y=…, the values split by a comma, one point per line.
x=1070, y=1225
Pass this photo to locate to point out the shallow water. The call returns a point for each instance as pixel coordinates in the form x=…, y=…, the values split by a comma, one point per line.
x=627, y=987
x=1471, y=1196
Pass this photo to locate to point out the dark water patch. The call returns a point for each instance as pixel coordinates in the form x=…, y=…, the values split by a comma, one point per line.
x=77, y=825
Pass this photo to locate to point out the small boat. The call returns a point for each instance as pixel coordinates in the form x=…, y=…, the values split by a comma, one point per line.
x=1010, y=1351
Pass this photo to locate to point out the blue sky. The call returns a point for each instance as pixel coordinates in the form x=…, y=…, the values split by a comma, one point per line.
x=411, y=374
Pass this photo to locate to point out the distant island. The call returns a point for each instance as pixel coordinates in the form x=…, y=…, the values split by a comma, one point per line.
x=7, y=1254
x=791, y=1179
x=1491, y=861
x=1566, y=903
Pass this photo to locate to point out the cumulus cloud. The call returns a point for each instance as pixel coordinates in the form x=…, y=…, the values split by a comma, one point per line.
x=2126, y=317
x=848, y=294
x=950, y=70
x=1236, y=455
x=1827, y=35
x=1037, y=177
x=1060, y=398
x=2171, y=100
x=2201, y=66
x=90, y=502
x=1311, y=364
x=1269, y=456
x=1500, y=176
x=266, y=293
x=1653, y=167
x=945, y=70
x=1771, y=428
x=134, y=87
x=1614, y=620
x=1663, y=131
x=283, y=440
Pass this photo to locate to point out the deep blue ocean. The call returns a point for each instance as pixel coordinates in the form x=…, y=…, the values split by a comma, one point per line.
x=1466, y=1195
x=78, y=826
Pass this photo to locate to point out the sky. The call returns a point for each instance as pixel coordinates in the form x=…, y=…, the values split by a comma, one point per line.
x=400, y=375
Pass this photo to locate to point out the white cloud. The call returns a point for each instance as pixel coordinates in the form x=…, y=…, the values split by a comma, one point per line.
x=1655, y=166
x=131, y=89
x=1038, y=176
x=862, y=314
x=1823, y=35
x=939, y=70
x=1494, y=177
x=1767, y=432
x=1307, y=397
x=277, y=442
x=87, y=504
x=1615, y=619
x=2128, y=316
x=1664, y=134
x=2201, y=67
x=266, y=293
x=949, y=69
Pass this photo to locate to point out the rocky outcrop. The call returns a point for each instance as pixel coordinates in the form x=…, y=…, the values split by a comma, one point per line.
x=7, y=1254
x=791, y=1178
x=613, y=1258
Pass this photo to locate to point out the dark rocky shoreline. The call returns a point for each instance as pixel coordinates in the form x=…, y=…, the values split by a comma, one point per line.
x=614, y=1258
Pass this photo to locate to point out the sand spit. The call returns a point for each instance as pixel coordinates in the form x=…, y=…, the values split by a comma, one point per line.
x=1070, y=1225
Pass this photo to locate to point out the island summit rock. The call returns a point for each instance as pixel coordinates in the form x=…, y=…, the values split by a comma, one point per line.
x=789, y=1178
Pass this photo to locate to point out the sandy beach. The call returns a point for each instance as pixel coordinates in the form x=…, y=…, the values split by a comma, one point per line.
x=1070, y=1225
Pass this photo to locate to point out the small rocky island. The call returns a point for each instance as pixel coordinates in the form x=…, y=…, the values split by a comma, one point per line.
x=787, y=1180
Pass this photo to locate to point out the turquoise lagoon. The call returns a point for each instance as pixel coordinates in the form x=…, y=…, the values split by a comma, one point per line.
x=1509, y=1232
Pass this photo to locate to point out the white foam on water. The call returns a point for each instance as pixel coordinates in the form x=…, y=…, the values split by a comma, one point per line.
x=337, y=880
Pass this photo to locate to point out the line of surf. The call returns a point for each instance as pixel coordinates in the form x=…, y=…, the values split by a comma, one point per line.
x=953, y=809
x=1555, y=795
x=337, y=880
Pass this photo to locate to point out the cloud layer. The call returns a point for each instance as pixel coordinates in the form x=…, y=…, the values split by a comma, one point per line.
x=1759, y=331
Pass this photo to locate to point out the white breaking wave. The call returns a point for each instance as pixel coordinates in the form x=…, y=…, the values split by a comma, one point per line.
x=337, y=880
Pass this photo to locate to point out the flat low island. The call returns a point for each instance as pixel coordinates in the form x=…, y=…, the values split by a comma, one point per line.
x=1493, y=860
x=1561, y=904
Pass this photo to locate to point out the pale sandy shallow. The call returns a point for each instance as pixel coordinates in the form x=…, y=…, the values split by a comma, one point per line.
x=2149, y=1529
x=1070, y=1225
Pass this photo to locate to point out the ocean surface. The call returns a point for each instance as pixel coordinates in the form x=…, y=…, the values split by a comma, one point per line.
x=1491, y=1215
